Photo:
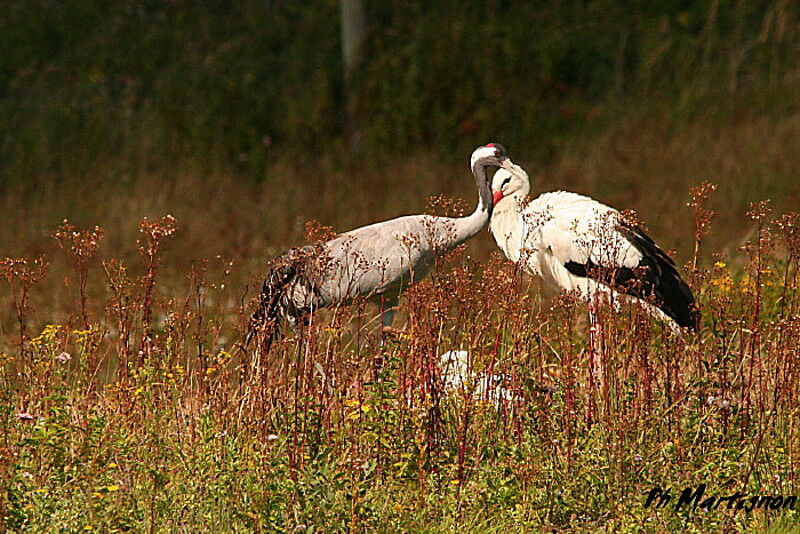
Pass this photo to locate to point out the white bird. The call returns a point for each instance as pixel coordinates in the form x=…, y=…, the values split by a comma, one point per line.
x=577, y=244
x=377, y=261
x=458, y=378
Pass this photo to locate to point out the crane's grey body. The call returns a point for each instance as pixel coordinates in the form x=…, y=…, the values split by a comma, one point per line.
x=377, y=262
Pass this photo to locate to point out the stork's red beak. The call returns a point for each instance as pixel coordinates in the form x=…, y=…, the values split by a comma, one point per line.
x=497, y=197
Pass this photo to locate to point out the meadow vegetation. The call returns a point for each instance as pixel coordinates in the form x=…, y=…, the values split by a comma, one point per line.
x=126, y=400
x=135, y=408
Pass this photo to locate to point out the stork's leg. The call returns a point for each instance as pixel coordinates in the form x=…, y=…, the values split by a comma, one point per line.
x=596, y=350
x=595, y=347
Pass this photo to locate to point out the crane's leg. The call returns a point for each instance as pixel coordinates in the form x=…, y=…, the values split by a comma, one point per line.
x=388, y=317
x=388, y=311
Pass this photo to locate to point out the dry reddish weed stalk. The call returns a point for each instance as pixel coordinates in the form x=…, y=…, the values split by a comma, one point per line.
x=82, y=245
x=154, y=233
x=700, y=196
x=21, y=275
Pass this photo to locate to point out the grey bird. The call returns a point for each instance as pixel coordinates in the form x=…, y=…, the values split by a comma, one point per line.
x=378, y=261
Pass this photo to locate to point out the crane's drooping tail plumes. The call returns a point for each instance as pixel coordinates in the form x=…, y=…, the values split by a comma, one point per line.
x=284, y=275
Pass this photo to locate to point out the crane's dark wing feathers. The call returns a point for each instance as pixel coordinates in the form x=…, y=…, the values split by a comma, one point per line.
x=655, y=279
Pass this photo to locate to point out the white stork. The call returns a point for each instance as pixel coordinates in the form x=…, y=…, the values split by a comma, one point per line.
x=577, y=244
x=377, y=261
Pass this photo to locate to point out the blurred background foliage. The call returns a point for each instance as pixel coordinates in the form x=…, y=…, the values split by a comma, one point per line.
x=235, y=85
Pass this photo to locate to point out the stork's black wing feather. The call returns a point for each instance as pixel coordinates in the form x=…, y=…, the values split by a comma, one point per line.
x=655, y=279
x=672, y=294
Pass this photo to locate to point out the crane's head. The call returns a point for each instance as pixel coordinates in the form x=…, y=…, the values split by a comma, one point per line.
x=509, y=181
x=491, y=155
x=485, y=159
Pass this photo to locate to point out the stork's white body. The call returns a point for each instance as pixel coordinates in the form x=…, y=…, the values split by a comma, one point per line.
x=559, y=227
x=564, y=238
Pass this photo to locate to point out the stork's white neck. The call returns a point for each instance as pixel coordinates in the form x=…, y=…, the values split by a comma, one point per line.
x=511, y=203
x=506, y=224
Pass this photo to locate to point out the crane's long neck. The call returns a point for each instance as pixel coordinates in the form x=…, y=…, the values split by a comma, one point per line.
x=469, y=226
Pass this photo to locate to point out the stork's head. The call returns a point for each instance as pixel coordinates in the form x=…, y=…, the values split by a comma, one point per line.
x=491, y=155
x=511, y=180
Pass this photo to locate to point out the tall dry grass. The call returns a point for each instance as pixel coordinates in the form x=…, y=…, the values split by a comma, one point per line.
x=128, y=403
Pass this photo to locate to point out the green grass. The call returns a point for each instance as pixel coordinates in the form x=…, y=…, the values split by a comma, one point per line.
x=142, y=85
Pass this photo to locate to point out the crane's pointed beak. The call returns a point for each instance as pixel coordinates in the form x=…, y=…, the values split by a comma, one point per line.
x=497, y=197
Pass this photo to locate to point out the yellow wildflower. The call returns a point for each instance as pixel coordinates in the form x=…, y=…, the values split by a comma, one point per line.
x=724, y=283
